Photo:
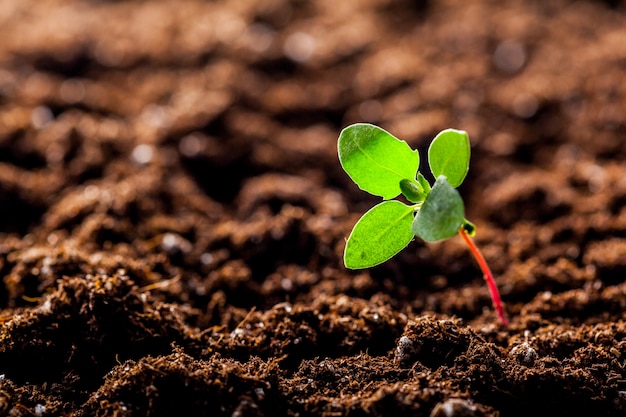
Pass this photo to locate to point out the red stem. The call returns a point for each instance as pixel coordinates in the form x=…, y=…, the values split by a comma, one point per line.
x=491, y=283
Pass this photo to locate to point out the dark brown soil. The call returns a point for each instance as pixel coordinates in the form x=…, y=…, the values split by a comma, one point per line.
x=173, y=213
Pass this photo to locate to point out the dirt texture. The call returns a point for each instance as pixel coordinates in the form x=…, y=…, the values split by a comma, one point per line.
x=173, y=213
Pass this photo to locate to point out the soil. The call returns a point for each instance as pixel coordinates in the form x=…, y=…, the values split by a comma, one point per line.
x=173, y=214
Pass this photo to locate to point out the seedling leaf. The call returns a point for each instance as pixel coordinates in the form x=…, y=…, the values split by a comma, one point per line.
x=412, y=190
x=442, y=213
x=423, y=182
x=376, y=160
x=381, y=233
x=449, y=155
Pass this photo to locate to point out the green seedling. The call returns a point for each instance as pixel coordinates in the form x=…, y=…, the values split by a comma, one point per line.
x=385, y=166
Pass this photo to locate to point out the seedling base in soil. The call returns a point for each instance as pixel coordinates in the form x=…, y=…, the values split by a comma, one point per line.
x=385, y=166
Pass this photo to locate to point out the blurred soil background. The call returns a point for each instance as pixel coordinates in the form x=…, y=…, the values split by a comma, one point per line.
x=173, y=213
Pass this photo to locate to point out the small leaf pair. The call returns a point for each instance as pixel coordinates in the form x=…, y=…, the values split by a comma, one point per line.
x=385, y=166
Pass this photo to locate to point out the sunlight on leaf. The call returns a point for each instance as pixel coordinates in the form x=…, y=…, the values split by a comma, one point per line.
x=375, y=160
x=381, y=233
x=449, y=155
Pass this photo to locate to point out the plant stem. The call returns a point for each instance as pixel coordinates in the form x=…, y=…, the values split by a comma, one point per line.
x=491, y=283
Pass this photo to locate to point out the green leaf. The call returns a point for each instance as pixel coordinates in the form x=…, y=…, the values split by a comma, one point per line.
x=375, y=160
x=412, y=190
x=442, y=213
x=423, y=182
x=381, y=233
x=449, y=155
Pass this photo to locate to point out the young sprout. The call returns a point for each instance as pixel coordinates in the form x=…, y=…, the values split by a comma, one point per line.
x=385, y=166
